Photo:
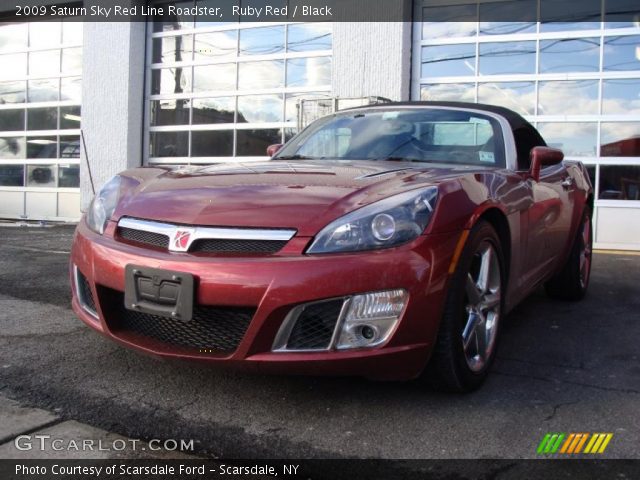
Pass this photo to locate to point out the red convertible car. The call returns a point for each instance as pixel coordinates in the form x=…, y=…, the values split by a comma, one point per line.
x=387, y=241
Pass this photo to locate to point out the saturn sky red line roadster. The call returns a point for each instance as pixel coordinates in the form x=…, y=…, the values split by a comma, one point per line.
x=386, y=241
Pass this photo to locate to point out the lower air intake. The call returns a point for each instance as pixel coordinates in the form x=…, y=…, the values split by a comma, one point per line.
x=315, y=325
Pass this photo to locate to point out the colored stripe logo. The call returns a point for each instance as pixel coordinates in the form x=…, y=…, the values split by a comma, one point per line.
x=574, y=443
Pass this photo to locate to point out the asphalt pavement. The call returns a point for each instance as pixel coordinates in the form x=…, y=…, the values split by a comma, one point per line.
x=561, y=367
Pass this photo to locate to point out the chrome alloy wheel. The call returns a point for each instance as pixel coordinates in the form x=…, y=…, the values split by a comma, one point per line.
x=483, y=306
x=585, y=253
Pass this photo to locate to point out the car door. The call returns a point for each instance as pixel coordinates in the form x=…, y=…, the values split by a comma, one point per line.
x=549, y=220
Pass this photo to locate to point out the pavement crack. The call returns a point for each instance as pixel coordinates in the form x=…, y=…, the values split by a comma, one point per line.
x=568, y=382
x=542, y=364
x=557, y=407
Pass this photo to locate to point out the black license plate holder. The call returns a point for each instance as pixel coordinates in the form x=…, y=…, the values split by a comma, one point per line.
x=156, y=291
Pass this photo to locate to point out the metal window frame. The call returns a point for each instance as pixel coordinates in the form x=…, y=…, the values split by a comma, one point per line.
x=238, y=59
x=603, y=33
x=60, y=46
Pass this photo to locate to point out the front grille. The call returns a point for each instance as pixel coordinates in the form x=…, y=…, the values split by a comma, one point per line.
x=237, y=246
x=315, y=325
x=144, y=238
x=211, y=328
x=85, y=294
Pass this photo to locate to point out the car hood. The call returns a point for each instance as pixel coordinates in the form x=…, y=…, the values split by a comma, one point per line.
x=303, y=195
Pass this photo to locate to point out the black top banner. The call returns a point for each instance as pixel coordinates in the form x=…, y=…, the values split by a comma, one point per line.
x=223, y=11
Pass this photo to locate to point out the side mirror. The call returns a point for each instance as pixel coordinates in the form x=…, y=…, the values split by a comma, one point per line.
x=542, y=157
x=273, y=149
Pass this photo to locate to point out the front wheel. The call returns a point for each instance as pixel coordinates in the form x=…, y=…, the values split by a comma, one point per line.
x=572, y=281
x=468, y=335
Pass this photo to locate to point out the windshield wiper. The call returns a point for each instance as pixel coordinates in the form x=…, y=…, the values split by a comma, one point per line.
x=295, y=157
x=401, y=159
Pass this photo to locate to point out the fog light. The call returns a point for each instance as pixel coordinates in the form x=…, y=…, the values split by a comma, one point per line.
x=371, y=318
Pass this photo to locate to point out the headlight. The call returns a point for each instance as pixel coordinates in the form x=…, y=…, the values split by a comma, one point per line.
x=103, y=205
x=387, y=223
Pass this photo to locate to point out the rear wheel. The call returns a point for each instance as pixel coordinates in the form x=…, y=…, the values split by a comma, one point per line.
x=572, y=281
x=468, y=336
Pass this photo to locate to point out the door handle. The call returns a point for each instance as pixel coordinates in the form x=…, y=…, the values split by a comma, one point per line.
x=567, y=183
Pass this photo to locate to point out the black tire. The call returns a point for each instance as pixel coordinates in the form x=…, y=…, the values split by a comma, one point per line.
x=572, y=282
x=449, y=368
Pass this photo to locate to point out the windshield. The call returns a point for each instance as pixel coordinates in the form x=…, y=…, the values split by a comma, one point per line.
x=412, y=134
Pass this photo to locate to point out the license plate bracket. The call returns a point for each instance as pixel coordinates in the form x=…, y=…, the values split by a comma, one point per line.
x=156, y=291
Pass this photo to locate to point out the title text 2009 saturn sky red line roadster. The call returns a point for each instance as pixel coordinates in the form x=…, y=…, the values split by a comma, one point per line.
x=385, y=241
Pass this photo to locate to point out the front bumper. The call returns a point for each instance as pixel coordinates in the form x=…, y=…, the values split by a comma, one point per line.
x=273, y=286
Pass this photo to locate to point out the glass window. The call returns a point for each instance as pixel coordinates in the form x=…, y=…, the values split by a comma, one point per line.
x=169, y=144
x=617, y=13
x=214, y=110
x=69, y=176
x=464, y=92
x=568, y=97
x=518, y=96
x=13, y=37
x=291, y=103
x=41, y=176
x=11, y=175
x=574, y=139
x=505, y=28
x=259, y=75
x=570, y=55
x=12, y=147
x=621, y=96
x=45, y=34
x=309, y=72
x=170, y=112
x=42, y=118
x=619, y=182
x=46, y=62
x=216, y=46
x=260, y=108
x=177, y=48
x=216, y=143
x=508, y=17
x=449, y=60
x=71, y=89
x=42, y=147
x=507, y=57
x=214, y=77
x=13, y=65
x=620, y=139
x=255, y=142
x=70, y=117
x=69, y=146
x=561, y=15
x=309, y=36
x=12, y=92
x=621, y=53
x=449, y=21
x=171, y=80
x=591, y=171
x=72, y=60
x=261, y=41
x=45, y=90
x=12, y=120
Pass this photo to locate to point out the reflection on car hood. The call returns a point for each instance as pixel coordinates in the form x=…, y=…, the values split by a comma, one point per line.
x=305, y=195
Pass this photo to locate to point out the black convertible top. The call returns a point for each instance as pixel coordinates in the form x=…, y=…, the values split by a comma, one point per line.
x=525, y=134
x=514, y=119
